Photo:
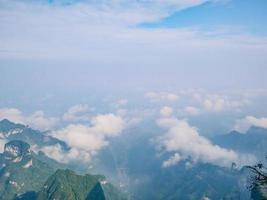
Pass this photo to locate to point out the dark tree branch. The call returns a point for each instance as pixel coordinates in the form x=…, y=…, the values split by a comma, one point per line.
x=258, y=172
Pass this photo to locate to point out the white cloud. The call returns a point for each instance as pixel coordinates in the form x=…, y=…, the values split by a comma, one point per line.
x=191, y=110
x=88, y=139
x=74, y=154
x=131, y=117
x=77, y=113
x=11, y=114
x=39, y=121
x=218, y=103
x=166, y=111
x=36, y=120
x=242, y=125
x=200, y=100
x=108, y=124
x=184, y=141
x=2, y=144
x=162, y=96
x=173, y=160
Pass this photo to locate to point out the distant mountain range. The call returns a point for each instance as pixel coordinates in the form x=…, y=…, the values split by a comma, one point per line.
x=131, y=160
x=139, y=165
x=254, y=141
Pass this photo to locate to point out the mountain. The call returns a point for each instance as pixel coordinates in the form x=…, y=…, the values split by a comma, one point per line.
x=12, y=131
x=23, y=176
x=133, y=162
x=20, y=170
x=66, y=185
x=138, y=165
x=254, y=141
x=193, y=182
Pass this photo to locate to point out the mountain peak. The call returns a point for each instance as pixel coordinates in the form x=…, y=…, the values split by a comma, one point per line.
x=234, y=132
x=6, y=125
x=5, y=121
x=66, y=183
x=16, y=148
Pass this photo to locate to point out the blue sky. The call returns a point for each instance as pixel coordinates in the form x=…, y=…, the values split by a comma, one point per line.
x=246, y=15
x=238, y=15
x=145, y=45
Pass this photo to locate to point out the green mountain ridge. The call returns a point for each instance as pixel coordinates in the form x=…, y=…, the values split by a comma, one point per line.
x=24, y=177
x=67, y=185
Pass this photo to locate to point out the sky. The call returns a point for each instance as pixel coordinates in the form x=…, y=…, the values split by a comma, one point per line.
x=133, y=44
x=239, y=15
x=120, y=47
x=114, y=47
x=193, y=65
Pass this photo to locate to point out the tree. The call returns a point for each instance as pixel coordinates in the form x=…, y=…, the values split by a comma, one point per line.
x=258, y=180
x=259, y=175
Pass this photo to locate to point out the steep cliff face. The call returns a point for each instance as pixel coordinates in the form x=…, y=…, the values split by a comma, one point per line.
x=20, y=170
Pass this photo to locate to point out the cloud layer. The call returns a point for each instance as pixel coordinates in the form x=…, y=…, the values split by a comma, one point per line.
x=166, y=111
x=85, y=141
x=77, y=113
x=162, y=96
x=2, y=144
x=184, y=142
x=191, y=110
x=120, y=11
x=218, y=103
x=242, y=125
x=36, y=120
x=106, y=32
